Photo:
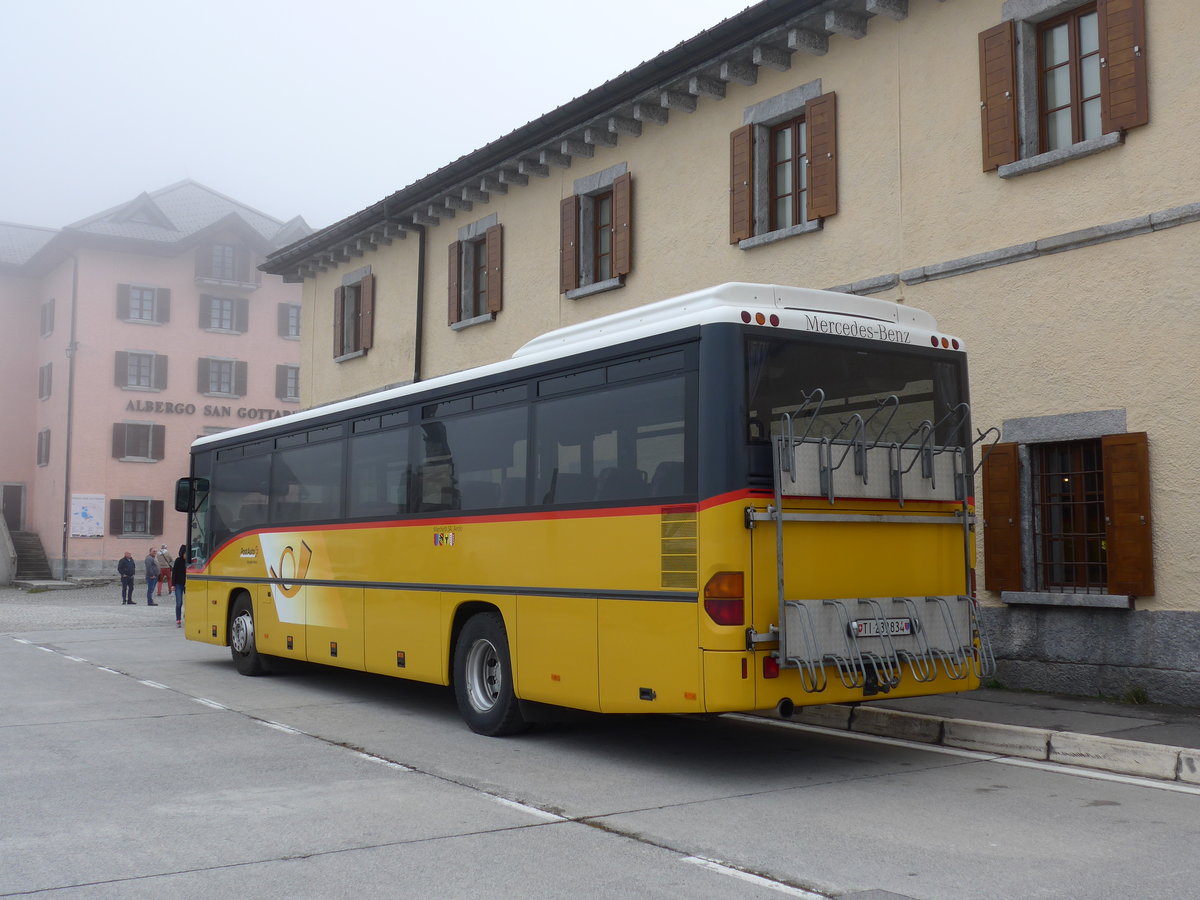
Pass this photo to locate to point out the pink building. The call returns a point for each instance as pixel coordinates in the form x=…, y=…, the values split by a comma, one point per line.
x=123, y=337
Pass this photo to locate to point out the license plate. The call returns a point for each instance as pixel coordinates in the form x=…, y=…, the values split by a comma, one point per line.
x=880, y=627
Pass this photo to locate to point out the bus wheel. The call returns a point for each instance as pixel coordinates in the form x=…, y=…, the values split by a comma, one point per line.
x=241, y=638
x=483, y=682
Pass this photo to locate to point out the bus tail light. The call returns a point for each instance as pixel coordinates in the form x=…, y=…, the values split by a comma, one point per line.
x=770, y=667
x=724, y=598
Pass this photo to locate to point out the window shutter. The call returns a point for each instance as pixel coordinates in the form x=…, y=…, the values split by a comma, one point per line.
x=1124, y=94
x=622, y=258
x=281, y=382
x=454, y=282
x=156, y=517
x=741, y=184
x=239, y=378
x=494, y=242
x=118, y=440
x=1002, y=519
x=205, y=311
x=241, y=315
x=244, y=268
x=162, y=305
x=820, y=114
x=339, y=315
x=121, y=369
x=116, y=516
x=122, y=301
x=366, y=312
x=1127, y=514
x=202, y=375
x=160, y=372
x=998, y=95
x=282, y=319
x=158, y=441
x=568, y=244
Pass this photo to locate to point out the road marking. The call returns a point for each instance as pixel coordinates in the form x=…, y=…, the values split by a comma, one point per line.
x=980, y=756
x=286, y=729
x=758, y=880
x=153, y=684
x=22, y=641
x=107, y=669
x=47, y=649
x=210, y=703
x=532, y=810
x=371, y=757
x=75, y=658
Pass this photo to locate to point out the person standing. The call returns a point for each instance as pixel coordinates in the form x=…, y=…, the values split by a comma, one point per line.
x=151, y=576
x=165, y=564
x=127, y=569
x=179, y=577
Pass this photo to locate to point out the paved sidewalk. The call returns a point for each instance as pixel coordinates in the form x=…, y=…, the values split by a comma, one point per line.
x=1161, y=742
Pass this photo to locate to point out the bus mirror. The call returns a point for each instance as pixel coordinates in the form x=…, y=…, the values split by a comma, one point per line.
x=189, y=492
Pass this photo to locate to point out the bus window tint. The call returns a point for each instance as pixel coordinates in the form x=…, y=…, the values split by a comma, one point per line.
x=474, y=461
x=240, y=489
x=306, y=483
x=625, y=443
x=379, y=473
x=854, y=381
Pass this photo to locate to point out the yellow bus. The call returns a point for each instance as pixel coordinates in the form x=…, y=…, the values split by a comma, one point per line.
x=748, y=497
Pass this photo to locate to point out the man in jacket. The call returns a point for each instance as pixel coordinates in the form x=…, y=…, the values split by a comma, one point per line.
x=127, y=569
x=151, y=576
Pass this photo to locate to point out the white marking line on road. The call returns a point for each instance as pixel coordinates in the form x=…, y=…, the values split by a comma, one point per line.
x=751, y=879
x=209, y=703
x=107, y=669
x=47, y=650
x=153, y=684
x=1042, y=765
x=75, y=658
x=532, y=810
x=370, y=757
x=22, y=641
x=286, y=729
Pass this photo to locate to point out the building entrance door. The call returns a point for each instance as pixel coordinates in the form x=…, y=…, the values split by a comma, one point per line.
x=14, y=506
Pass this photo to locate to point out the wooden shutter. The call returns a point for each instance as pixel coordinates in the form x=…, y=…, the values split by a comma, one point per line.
x=622, y=258
x=121, y=369
x=1127, y=514
x=241, y=315
x=281, y=382
x=244, y=265
x=160, y=372
x=162, y=305
x=205, y=320
x=282, y=319
x=1002, y=519
x=202, y=375
x=568, y=244
x=122, y=301
x=118, y=439
x=454, y=283
x=158, y=441
x=366, y=312
x=239, y=378
x=998, y=95
x=339, y=316
x=494, y=244
x=820, y=115
x=116, y=516
x=156, y=517
x=741, y=184
x=1124, y=93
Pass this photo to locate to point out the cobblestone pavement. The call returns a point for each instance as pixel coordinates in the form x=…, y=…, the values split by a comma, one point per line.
x=94, y=606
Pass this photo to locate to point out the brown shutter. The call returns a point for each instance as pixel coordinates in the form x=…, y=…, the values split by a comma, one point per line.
x=244, y=268
x=241, y=315
x=239, y=378
x=820, y=115
x=741, y=184
x=156, y=517
x=494, y=242
x=366, y=312
x=118, y=440
x=122, y=301
x=159, y=368
x=282, y=319
x=1127, y=514
x=1124, y=95
x=568, y=245
x=158, y=441
x=116, y=516
x=998, y=95
x=205, y=311
x=454, y=284
x=202, y=375
x=339, y=316
x=121, y=369
x=162, y=305
x=622, y=258
x=281, y=381
x=1002, y=519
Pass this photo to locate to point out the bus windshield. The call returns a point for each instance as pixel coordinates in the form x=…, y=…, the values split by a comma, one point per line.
x=828, y=388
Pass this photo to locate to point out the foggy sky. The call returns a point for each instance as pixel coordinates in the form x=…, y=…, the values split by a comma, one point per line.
x=294, y=107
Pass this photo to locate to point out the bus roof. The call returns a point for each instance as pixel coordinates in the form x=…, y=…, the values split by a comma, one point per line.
x=730, y=302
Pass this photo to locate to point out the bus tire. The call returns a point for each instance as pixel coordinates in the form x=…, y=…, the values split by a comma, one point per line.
x=242, y=647
x=483, y=680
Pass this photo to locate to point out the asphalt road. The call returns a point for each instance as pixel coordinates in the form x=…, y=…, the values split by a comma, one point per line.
x=136, y=764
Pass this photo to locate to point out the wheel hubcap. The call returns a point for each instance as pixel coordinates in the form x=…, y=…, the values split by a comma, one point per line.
x=484, y=677
x=241, y=636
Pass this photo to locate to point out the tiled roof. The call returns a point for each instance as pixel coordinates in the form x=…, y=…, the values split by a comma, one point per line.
x=19, y=243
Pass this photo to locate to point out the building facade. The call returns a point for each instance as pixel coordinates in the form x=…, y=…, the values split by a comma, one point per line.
x=1020, y=169
x=126, y=336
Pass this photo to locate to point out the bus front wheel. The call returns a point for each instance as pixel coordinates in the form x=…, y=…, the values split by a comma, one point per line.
x=483, y=681
x=245, y=654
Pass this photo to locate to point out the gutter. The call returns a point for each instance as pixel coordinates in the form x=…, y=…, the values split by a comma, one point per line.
x=72, y=349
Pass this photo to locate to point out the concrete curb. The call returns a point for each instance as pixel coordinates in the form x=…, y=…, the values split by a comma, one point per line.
x=1092, y=751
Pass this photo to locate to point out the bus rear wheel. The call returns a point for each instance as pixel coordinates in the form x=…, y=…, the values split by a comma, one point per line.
x=483, y=681
x=245, y=654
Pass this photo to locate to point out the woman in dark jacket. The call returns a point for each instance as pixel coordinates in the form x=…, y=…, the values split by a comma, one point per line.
x=179, y=579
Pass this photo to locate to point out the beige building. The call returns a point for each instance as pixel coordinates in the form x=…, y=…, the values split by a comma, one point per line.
x=1023, y=170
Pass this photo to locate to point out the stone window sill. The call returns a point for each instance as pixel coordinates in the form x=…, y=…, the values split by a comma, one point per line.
x=780, y=234
x=597, y=287
x=1063, y=155
x=1039, y=598
x=474, y=320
